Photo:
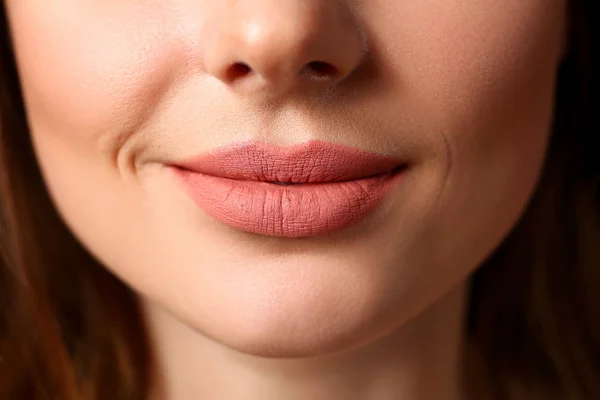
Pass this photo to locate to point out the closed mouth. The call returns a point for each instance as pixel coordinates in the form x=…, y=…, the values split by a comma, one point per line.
x=307, y=190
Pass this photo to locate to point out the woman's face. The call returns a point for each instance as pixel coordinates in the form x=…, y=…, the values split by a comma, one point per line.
x=458, y=92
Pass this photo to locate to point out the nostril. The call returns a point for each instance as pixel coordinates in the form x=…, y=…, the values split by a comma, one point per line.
x=319, y=70
x=237, y=71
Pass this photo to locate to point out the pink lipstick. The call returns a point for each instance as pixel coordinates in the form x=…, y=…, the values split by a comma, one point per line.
x=304, y=190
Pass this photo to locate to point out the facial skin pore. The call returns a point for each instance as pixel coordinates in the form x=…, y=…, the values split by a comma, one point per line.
x=461, y=90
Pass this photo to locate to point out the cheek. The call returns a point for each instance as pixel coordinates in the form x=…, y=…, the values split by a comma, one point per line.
x=462, y=68
x=474, y=84
x=91, y=73
x=482, y=79
x=478, y=82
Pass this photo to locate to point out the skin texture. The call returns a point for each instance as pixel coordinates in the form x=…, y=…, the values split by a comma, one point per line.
x=461, y=90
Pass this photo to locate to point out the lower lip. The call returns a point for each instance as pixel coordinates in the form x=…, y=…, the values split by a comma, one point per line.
x=291, y=211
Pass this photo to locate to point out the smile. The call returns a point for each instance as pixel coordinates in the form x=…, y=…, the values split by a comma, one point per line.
x=306, y=190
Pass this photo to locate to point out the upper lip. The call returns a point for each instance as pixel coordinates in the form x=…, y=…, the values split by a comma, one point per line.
x=310, y=162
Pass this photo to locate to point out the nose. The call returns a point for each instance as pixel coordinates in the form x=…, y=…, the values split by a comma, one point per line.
x=273, y=47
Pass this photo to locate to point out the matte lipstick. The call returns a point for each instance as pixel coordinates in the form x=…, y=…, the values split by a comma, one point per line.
x=298, y=191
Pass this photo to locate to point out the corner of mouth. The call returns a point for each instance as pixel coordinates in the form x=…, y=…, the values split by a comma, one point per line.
x=394, y=171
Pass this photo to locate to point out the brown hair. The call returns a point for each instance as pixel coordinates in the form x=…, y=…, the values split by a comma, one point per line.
x=70, y=330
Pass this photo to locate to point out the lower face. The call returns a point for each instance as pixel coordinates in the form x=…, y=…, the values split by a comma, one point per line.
x=117, y=92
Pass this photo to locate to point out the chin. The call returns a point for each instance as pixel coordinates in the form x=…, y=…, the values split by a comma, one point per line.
x=285, y=316
x=297, y=339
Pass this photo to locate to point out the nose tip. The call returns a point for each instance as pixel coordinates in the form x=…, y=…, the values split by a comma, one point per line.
x=278, y=46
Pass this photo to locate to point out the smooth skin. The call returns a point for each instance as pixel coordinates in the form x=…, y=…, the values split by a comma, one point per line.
x=462, y=90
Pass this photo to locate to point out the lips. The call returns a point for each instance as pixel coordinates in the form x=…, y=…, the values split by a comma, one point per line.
x=304, y=190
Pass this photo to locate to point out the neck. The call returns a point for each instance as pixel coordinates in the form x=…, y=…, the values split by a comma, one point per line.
x=422, y=360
